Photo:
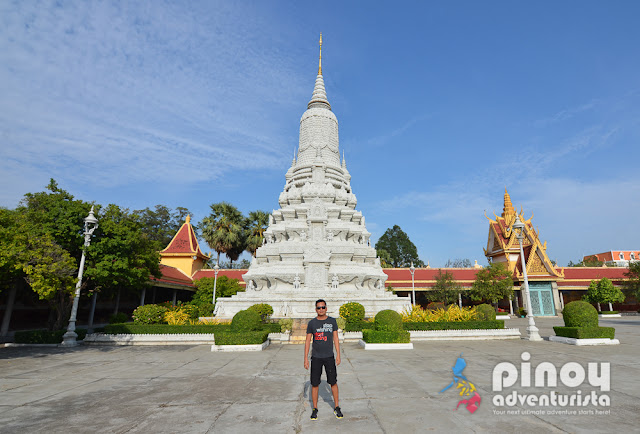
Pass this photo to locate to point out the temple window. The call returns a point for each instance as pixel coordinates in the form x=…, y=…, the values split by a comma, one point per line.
x=632, y=256
x=621, y=256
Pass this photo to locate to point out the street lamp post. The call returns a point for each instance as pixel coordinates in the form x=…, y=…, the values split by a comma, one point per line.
x=216, y=269
x=69, y=338
x=412, y=269
x=532, y=330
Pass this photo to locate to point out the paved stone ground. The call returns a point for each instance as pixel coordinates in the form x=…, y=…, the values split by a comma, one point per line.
x=190, y=389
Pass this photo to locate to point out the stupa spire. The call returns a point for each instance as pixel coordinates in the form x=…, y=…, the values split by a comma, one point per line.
x=320, y=61
x=319, y=97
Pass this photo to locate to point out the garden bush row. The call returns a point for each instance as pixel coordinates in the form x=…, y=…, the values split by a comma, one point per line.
x=44, y=336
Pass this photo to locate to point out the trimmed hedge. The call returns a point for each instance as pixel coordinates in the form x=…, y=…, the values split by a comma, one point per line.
x=246, y=321
x=388, y=321
x=263, y=309
x=240, y=338
x=272, y=327
x=586, y=332
x=501, y=314
x=580, y=314
x=357, y=326
x=143, y=329
x=385, y=337
x=44, y=336
x=455, y=325
x=609, y=312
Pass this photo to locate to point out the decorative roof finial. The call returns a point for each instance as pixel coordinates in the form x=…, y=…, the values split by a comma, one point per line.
x=320, y=61
x=187, y=220
x=508, y=209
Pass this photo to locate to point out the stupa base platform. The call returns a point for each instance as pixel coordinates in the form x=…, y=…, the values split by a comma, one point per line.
x=304, y=306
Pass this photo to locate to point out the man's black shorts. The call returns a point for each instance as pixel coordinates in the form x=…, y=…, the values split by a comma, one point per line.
x=329, y=368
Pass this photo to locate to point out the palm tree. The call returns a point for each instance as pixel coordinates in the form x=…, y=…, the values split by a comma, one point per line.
x=256, y=224
x=222, y=229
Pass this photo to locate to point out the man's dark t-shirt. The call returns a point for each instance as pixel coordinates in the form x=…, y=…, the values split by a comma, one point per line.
x=322, y=331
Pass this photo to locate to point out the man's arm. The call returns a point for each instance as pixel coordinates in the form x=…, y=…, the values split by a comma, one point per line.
x=307, y=344
x=336, y=343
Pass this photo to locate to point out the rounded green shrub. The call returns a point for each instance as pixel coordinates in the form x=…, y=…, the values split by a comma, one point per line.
x=191, y=310
x=263, y=309
x=149, y=314
x=486, y=312
x=388, y=321
x=341, y=323
x=352, y=312
x=246, y=321
x=580, y=314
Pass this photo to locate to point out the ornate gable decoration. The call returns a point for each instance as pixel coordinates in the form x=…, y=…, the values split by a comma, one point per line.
x=505, y=244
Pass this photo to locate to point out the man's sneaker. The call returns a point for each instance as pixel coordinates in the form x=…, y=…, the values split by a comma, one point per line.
x=314, y=414
x=338, y=413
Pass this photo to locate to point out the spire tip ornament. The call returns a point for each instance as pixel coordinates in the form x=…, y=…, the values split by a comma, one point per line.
x=320, y=61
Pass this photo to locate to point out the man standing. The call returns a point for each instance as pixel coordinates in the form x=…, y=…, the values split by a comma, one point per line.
x=324, y=331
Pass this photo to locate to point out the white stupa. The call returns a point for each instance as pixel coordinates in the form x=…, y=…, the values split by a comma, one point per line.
x=317, y=244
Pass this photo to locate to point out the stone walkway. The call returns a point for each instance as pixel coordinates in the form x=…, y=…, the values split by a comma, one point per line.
x=190, y=389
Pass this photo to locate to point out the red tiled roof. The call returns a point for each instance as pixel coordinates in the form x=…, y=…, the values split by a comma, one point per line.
x=582, y=276
x=232, y=274
x=174, y=276
x=185, y=241
x=426, y=277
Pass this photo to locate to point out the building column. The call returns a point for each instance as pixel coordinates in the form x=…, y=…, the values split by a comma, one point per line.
x=9, y=310
x=510, y=305
x=92, y=312
x=144, y=291
x=115, y=311
x=175, y=296
x=556, y=297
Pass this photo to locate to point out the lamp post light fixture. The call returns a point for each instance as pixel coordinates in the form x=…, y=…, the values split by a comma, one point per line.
x=532, y=330
x=412, y=270
x=216, y=269
x=90, y=225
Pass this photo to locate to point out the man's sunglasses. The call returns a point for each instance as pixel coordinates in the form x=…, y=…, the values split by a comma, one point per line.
x=321, y=307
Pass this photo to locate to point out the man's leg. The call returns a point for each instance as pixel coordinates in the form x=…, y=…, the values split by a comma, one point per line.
x=334, y=392
x=316, y=372
x=314, y=395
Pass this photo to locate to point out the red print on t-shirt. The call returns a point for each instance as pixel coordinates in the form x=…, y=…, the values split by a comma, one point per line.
x=320, y=337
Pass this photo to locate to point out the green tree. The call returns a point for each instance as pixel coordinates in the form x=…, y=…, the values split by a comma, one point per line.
x=27, y=251
x=161, y=224
x=121, y=256
x=385, y=258
x=58, y=214
x=446, y=288
x=603, y=291
x=590, y=261
x=225, y=287
x=255, y=225
x=400, y=248
x=632, y=284
x=223, y=229
x=493, y=283
x=458, y=263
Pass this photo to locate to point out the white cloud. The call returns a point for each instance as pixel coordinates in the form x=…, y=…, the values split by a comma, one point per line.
x=110, y=93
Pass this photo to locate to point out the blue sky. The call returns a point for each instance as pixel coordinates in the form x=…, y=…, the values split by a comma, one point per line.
x=441, y=105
